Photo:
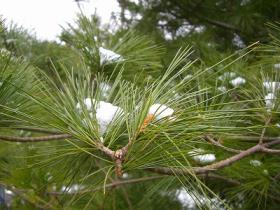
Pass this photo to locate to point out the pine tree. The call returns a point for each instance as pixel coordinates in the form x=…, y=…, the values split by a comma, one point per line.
x=108, y=122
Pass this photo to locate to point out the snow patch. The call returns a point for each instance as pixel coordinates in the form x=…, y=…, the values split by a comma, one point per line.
x=9, y=192
x=125, y=175
x=271, y=86
x=270, y=100
x=188, y=77
x=191, y=200
x=88, y=102
x=198, y=156
x=277, y=65
x=72, y=189
x=255, y=163
x=105, y=88
x=238, y=81
x=160, y=111
x=103, y=112
x=227, y=75
x=237, y=41
x=222, y=89
x=108, y=56
x=207, y=158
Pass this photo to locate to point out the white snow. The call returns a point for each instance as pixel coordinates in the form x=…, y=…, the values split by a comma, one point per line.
x=192, y=199
x=160, y=111
x=72, y=189
x=9, y=192
x=125, y=175
x=88, y=102
x=105, y=113
x=185, y=198
x=207, y=158
x=108, y=56
x=271, y=86
x=277, y=65
x=198, y=156
x=188, y=76
x=105, y=88
x=238, y=81
x=235, y=81
x=222, y=89
x=237, y=41
x=255, y=163
x=227, y=75
x=269, y=100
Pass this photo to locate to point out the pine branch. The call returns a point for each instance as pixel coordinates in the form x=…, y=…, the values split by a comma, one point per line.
x=216, y=176
x=38, y=130
x=113, y=185
x=34, y=139
x=264, y=129
x=271, y=151
x=218, y=144
x=221, y=164
x=219, y=23
x=110, y=153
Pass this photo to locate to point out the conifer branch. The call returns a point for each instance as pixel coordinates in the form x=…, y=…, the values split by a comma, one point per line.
x=38, y=130
x=114, y=184
x=218, y=165
x=118, y=183
x=264, y=129
x=219, y=23
x=34, y=139
x=218, y=144
x=216, y=176
x=271, y=151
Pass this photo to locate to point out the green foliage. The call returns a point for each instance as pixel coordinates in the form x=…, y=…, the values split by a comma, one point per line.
x=46, y=92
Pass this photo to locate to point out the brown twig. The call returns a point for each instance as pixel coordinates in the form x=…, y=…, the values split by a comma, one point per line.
x=107, y=151
x=38, y=130
x=264, y=129
x=144, y=179
x=218, y=165
x=271, y=151
x=34, y=139
x=218, y=144
x=216, y=176
x=118, y=156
